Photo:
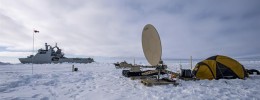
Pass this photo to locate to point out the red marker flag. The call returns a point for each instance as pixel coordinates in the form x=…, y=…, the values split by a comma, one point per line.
x=36, y=31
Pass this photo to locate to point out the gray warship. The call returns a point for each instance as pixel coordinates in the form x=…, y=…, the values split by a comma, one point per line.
x=52, y=55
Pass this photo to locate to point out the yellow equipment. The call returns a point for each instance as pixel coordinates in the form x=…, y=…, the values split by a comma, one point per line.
x=218, y=67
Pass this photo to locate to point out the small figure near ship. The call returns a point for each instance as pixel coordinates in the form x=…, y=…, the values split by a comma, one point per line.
x=52, y=55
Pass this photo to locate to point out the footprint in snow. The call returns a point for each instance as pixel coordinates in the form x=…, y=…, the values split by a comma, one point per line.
x=35, y=96
x=44, y=98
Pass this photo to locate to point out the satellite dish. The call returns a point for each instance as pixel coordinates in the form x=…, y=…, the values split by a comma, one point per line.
x=151, y=43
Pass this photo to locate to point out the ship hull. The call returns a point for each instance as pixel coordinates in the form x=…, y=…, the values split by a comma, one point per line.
x=61, y=60
x=25, y=60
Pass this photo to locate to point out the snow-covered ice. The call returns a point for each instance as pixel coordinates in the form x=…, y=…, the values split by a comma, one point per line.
x=102, y=81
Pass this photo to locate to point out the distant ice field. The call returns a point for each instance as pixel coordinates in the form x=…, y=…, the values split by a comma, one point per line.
x=102, y=81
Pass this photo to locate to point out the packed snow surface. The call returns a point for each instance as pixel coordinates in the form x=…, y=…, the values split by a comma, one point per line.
x=102, y=81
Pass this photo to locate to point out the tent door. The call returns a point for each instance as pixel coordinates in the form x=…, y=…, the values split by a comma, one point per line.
x=225, y=72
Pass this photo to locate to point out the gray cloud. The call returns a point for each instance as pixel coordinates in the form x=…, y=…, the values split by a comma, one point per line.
x=106, y=28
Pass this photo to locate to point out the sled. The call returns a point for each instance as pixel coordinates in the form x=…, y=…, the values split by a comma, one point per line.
x=164, y=81
x=142, y=77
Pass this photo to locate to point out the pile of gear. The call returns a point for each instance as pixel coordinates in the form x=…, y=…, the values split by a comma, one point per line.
x=215, y=67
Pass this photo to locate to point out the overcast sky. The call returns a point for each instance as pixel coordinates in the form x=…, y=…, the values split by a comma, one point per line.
x=113, y=28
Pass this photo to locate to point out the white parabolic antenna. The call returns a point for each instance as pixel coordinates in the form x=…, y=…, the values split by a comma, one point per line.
x=151, y=43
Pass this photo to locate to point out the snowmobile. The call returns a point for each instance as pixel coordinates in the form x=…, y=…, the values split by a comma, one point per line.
x=136, y=73
x=123, y=64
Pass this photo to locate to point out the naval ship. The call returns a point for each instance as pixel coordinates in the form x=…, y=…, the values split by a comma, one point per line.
x=52, y=55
